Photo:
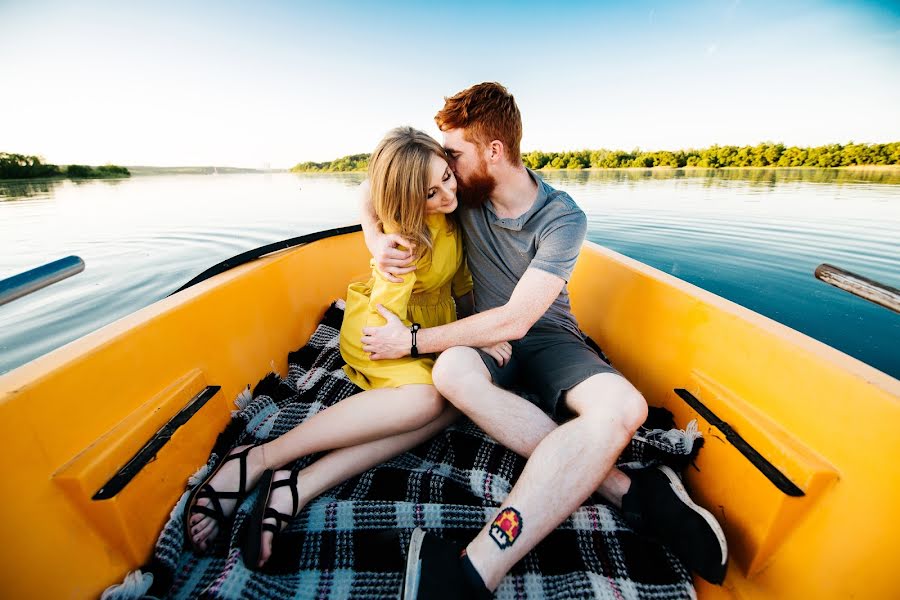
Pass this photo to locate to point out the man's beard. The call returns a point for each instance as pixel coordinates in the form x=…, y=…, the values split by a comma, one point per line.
x=477, y=187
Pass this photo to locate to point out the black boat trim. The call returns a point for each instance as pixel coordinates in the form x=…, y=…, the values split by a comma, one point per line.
x=779, y=479
x=252, y=255
x=124, y=476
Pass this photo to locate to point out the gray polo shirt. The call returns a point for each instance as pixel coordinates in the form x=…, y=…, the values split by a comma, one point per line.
x=548, y=236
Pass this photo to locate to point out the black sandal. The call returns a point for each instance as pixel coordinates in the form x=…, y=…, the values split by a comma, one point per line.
x=204, y=490
x=252, y=546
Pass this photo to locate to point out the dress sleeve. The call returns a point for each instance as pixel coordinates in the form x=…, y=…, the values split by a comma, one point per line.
x=462, y=281
x=393, y=296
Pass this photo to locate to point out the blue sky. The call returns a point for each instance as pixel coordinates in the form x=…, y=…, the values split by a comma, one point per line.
x=256, y=83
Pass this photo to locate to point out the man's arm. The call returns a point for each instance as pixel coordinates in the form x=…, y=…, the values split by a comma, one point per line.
x=530, y=299
x=390, y=260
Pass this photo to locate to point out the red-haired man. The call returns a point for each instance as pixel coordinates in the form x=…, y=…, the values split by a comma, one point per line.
x=522, y=240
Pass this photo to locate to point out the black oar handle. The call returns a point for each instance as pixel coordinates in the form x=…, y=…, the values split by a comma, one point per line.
x=868, y=289
x=40, y=277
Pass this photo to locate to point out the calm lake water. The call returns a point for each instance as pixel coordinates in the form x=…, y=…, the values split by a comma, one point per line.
x=754, y=237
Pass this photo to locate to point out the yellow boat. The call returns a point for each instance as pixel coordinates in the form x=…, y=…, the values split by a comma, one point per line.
x=100, y=436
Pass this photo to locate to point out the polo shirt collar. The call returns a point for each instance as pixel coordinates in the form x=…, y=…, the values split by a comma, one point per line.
x=519, y=222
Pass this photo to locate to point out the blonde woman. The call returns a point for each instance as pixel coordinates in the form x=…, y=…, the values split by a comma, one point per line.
x=413, y=192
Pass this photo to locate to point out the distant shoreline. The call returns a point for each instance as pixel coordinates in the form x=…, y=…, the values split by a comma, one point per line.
x=764, y=155
x=769, y=168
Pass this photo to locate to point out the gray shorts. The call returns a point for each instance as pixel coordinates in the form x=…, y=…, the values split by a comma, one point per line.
x=546, y=363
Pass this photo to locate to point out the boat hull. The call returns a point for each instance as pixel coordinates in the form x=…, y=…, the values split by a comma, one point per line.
x=75, y=417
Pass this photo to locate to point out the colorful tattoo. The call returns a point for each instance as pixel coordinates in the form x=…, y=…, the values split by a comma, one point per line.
x=507, y=527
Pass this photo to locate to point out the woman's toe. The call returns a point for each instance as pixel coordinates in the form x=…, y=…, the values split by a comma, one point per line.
x=206, y=534
x=265, y=549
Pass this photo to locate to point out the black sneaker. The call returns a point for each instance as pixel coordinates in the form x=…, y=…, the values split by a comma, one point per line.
x=657, y=505
x=434, y=571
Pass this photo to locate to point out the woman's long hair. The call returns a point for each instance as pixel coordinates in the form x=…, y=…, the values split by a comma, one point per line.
x=398, y=180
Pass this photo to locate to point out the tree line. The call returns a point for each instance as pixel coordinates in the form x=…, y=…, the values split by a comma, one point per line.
x=714, y=157
x=21, y=166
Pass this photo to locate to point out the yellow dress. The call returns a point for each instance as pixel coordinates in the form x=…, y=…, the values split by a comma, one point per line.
x=425, y=297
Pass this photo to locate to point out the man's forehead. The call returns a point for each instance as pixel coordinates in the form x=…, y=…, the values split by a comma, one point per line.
x=454, y=140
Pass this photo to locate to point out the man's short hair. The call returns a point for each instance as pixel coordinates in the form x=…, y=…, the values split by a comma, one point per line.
x=486, y=112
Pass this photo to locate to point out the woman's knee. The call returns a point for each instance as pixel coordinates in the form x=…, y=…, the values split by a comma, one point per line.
x=423, y=405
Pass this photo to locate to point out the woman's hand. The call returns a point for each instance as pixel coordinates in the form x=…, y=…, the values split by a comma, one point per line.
x=501, y=352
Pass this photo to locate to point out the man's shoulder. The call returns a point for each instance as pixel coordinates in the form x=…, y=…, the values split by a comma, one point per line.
x=560, y=206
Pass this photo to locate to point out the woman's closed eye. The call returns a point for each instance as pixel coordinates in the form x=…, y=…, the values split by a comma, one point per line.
x=433, y=191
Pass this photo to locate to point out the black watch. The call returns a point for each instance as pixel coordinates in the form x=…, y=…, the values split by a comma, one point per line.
x=413, y=351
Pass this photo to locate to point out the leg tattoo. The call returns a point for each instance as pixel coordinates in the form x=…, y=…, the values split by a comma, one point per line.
x=507, y=527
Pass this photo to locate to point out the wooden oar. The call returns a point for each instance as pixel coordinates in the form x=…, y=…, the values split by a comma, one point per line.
x=37, y=278
x=868, y=289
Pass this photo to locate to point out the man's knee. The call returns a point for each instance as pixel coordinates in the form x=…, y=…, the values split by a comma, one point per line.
x=456, y=371
x=609, y=395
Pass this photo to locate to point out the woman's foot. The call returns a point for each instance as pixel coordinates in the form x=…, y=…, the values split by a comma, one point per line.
x=283, y=504
x=214, y=501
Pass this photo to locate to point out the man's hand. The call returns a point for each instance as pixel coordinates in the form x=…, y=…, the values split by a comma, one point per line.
x=501, y=352
x=390, y=259
x=393, y=340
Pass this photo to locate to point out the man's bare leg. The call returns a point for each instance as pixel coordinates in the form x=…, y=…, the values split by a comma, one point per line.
x=657, y=503
x=572, y=459
x=564, y=469
x=514, y=422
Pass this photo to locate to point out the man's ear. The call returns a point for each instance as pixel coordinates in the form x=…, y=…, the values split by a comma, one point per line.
x=497, y=151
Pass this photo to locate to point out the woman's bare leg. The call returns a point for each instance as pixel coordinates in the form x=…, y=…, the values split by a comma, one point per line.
x=364, y=417
x=340, y=465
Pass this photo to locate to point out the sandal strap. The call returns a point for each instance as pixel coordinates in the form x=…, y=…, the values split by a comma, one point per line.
x=291, y=483
x=242, y=456
x=275, y=529
x=215, y=510
x=213, y=513
x=282, y=519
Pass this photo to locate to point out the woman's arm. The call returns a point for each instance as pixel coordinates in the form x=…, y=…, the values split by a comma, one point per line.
x=384, y=247
x=394, y=296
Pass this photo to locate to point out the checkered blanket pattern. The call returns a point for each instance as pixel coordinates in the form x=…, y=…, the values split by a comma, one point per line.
x=351, y=542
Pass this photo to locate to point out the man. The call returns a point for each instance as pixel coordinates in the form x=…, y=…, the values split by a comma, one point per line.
x=522, y=241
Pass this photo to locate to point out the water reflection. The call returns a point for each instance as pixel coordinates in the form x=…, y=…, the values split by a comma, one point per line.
x=351, y=179
x=11, y=190
x=17, y=190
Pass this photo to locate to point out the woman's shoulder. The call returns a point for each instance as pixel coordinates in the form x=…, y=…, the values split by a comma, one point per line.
x=438, y=222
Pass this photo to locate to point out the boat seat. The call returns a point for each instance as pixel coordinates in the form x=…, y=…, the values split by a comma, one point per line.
x=773, y=479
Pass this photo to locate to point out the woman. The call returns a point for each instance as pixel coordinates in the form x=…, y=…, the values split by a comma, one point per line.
x=413, y=191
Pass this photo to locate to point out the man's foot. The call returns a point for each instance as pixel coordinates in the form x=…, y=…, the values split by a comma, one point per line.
x=658, y=505
x=435, y=569
x=213, y=501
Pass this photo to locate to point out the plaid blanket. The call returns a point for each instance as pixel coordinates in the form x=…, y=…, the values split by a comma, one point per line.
x=351, y=542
